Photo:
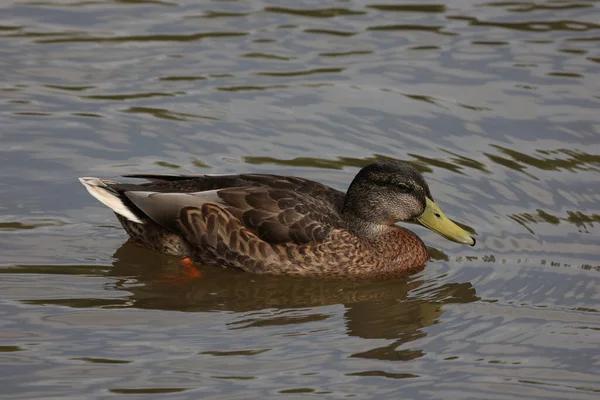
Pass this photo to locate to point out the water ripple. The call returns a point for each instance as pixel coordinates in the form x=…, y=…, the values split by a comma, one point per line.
x=123, y=39
x=495, y=102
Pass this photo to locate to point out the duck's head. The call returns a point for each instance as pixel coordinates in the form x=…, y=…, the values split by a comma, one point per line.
x=387, y=192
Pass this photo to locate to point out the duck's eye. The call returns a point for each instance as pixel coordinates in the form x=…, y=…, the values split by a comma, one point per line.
x=402, y=187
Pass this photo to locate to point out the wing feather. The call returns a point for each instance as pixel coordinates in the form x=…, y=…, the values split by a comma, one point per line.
x=277, y=209
x=224, y=236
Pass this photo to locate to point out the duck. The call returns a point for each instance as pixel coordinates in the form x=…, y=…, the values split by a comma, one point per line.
x=284, y=225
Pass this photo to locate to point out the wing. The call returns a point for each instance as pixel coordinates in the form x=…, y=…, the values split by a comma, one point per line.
x=224, y=237
x=280, y=216
x=273, y=215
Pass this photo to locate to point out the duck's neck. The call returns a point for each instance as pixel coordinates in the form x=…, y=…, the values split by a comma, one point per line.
x=367, y=231
x=399, y=247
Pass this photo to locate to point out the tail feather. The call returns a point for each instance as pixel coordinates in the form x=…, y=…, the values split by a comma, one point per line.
x=107, y=196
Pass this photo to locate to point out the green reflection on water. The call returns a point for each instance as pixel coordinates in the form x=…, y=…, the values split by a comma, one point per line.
x=421, y=97
x=405, y=27
x=576, y=160
x=532, y=26
x=331, y=32
x=489, y=43
x=573, y=51
x=200, y=164
x=56, y=269
x=583, y=39
x=565, y=74
x=301, y=73
x=384, y=374
x=167, y=165
x=101, y=360
x=81, y=303
x=140, y=38
x=580, y=220
x=236, y=377
x=70, y=88
x=10, y=349
x=266, y=56
x=467, y=162
x=436, y=162
x=505, y=162
x=422, y=48
x=89, y=115
x=148, y=390
x=166, y=114
x=33, y=114
x=31, y=224
x=91, y=2
x=221, y=14
x=182, y=78
x=518, y=6
x=319, y=13
x=250, y=88
x=131, y=96
x=297, y=390
x=235, y=353
x=421, y=8
x=345, y=53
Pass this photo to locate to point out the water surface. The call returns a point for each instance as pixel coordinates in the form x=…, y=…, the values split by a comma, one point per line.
x=495, y=102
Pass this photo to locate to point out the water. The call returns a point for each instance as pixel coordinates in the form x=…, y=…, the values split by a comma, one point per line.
x=497, y=103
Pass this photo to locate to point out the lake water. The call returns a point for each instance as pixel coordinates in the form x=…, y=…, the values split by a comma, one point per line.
x=496, y=102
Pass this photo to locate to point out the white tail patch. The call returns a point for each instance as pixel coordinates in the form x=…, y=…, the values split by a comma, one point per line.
x=97, y=188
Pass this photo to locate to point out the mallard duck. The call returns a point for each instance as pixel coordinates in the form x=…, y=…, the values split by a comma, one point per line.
x=272, y=224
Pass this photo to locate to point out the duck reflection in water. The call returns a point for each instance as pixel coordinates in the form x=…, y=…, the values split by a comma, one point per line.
x=396, y=309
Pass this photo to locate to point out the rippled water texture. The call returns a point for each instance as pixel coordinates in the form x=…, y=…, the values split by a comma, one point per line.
x=497, y=103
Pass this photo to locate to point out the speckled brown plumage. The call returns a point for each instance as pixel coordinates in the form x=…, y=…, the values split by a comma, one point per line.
x=218, y=237
x=270, y=224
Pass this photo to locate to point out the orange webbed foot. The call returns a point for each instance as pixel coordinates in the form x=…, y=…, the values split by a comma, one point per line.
x=188, y=269
x=187, y=272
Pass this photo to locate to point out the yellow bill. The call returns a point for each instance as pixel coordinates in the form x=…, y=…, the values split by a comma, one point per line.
x=434, y=219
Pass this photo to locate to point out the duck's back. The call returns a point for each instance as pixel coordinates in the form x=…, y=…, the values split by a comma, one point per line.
x=277, y=209
x=311, y=190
